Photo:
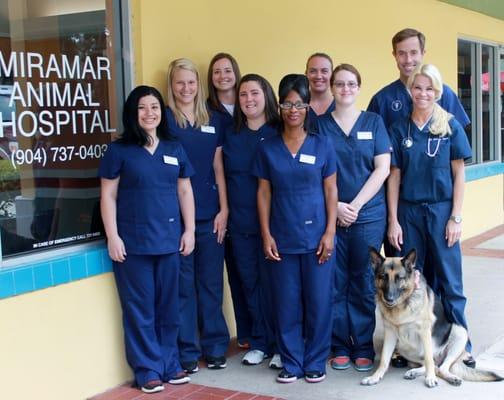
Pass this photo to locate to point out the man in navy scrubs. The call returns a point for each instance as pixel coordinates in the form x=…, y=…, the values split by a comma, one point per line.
x=393, y=103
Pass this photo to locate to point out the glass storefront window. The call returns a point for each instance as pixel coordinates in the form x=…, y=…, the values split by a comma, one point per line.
x=58, y=109
x=487, y=92
x=479, y=90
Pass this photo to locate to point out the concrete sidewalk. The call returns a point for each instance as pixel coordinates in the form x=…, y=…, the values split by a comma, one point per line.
x=484, y=288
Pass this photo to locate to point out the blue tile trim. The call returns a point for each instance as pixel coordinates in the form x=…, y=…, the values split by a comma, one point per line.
x=23, y=280
x=57, y=271
x=60, y=272
x=480, y=171
x=42, y=276
x=7, y=285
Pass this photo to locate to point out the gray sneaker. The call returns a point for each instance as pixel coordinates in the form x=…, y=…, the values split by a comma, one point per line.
x=253, y=357
x=276, y=362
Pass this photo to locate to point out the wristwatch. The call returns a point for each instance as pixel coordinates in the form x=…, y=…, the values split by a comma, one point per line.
x=456, y=218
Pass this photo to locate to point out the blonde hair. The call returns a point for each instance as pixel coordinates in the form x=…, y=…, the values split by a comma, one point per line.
x=201, y=116
x=439, y=124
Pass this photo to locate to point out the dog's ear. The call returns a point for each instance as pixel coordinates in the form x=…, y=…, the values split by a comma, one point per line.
x=409, y=260
x=375, y=257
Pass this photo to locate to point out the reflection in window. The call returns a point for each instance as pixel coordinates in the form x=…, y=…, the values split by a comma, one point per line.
x=479, y=89
x=58, y=111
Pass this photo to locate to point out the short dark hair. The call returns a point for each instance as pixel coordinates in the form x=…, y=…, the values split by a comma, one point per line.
x=213, y=99
x=322, y=55
x=406, y=34
x=299, y=84
x=133, y=133
x=349, y=68
x=270, y=105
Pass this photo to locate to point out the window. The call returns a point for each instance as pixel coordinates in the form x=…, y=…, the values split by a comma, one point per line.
x=60, y=84
x=479, y=85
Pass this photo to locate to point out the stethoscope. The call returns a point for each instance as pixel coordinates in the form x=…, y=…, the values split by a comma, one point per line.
x=408, y=142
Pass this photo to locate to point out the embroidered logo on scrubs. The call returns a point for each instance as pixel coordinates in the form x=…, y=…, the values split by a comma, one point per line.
x=171, y=220
x=207, y=129
x=308, y=222
x=170, y=160
x=396, y=105
x=364, y=135
x=307, y=159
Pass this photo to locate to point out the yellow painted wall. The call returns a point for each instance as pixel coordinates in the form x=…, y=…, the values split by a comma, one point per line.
x=62, y=343
x=66, y=342
x=275, y=38
x=483, y=205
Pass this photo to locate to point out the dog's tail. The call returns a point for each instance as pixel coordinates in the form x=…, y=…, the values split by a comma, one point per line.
x=474, y=374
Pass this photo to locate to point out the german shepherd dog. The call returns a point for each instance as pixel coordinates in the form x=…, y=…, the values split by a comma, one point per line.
x=415, y=323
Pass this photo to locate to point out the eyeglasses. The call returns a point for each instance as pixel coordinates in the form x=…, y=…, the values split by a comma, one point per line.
x=298, y=106
x=349, y=85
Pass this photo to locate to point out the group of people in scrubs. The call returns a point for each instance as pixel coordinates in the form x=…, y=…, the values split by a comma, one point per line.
x=290, y=194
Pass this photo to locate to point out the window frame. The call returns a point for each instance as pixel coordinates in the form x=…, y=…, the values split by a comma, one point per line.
x=122, y=37
x=477, y=101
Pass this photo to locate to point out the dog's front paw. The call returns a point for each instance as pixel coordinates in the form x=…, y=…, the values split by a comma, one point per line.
x=431, y=381
x=371, y=380
x=410, y=374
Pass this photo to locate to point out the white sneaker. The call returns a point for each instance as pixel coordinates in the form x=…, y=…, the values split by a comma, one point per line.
x=253, y=357
x=276, y=362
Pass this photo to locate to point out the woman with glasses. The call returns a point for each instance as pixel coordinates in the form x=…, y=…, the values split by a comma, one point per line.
x=297, y=199
x=201, y=274
x=145, y=189
x=318, y=71
x=426, y=190
x=256, y=119
x=223, y=77
x=362, y=147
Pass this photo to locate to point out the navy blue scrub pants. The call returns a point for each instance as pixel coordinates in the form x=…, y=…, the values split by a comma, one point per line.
x=241, y=314
x=201, y=292
x=255, y=285
x=148, y=287
x=354, y=303
x=423, y=228
x=302, y=292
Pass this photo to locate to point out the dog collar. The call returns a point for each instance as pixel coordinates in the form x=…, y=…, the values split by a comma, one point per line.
x=417, y=279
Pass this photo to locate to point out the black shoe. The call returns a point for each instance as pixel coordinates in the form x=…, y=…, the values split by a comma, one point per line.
x=190, y=367
x=179, y=379
x=216, y=362
x=470, y=361
x=286, y=377
x=398, y=361
x=314, y=376
x=153, y=386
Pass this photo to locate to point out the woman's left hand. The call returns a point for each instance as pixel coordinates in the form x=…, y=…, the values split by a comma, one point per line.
x=453, y=232
x=325, y=247
x=220, y=225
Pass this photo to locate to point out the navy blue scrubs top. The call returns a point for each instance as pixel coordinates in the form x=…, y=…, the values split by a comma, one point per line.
x=313, y=117
x=225, y=118
x=148, y=215
x=240, y=149
x=394, y=103
x=298, y=211
x=426, y=179
x=200, y=145
x=355, y=159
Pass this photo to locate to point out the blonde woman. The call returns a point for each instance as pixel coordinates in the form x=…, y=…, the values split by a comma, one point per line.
x=202, y=323
x=426, y=190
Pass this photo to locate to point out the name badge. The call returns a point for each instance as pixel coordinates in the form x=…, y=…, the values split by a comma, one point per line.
x=170, y=160
x=365, y=135
x=207, y=129
x=307, y=159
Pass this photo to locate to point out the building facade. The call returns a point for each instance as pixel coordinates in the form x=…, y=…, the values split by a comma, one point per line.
x=65, y=68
